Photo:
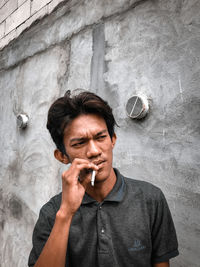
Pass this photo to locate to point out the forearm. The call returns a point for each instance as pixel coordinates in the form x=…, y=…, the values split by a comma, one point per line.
x=54, y=251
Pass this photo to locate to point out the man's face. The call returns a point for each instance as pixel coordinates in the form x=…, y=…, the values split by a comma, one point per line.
x=87, y=137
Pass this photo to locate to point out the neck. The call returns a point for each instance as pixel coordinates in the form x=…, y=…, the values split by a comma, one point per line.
x=101, y=189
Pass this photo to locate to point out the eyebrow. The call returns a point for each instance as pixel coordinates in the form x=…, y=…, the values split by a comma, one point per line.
x=83, y=138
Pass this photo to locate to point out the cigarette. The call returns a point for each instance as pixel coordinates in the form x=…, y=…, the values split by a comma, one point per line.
x=93, y=178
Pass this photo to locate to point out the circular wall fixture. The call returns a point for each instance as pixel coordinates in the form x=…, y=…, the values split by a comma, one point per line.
x=22, y=121
x=137, y=107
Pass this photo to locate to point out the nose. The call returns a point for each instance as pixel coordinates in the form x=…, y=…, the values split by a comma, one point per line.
x=93, y=150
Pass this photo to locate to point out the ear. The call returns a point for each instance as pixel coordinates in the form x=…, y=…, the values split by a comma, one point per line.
x=113, y=139
x=61, y=157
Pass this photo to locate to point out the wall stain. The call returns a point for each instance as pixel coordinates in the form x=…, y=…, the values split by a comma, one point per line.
x=2, y=223
x=15, y=207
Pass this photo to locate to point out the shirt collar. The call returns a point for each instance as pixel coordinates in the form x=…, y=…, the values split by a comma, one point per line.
x=115, y=195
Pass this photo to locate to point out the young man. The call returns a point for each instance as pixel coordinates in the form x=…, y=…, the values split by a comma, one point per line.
x=118, y=222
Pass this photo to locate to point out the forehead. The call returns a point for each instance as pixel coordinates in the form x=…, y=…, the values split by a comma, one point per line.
x=84, y=125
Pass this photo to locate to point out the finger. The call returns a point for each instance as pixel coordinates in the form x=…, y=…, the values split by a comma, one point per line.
x=80, y=164
x=79, y=169
x=85, y=172
x=85, y=168
x=86, y=181
x=78, y=161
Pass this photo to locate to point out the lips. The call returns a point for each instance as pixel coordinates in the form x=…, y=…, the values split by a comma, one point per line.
x=99, y=163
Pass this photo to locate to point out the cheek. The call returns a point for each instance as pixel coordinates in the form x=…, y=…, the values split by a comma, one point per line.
x=78, y=153
x=109, y=153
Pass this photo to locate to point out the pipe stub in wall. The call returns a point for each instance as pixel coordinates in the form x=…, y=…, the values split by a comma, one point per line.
x=137, y=107
x=22, y=120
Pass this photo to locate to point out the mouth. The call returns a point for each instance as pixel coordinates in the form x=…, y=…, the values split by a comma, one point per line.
x=99, y=163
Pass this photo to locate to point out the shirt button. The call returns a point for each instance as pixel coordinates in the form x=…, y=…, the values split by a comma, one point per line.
x=100, y=207
x=102, y=231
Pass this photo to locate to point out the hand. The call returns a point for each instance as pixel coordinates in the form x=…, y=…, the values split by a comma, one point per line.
x=74, y=183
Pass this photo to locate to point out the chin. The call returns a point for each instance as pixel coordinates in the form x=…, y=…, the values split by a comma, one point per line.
x=102, y=175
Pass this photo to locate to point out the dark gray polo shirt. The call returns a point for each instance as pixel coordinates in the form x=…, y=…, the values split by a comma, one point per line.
x=131, y=227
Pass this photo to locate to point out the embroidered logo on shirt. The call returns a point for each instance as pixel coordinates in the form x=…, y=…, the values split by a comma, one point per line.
x=137, y=245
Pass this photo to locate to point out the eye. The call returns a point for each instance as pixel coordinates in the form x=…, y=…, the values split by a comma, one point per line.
x=78, y=144
x=101, y=137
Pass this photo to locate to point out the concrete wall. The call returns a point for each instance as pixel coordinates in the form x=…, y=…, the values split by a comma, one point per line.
x=114, y=48
x=17, y=15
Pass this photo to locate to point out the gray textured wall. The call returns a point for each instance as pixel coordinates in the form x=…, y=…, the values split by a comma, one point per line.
x=114, y=48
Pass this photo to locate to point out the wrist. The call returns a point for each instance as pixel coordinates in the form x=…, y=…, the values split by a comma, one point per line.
x=64, y=215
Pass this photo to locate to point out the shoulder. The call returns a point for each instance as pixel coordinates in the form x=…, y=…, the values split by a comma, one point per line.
x=46, y=217
x=52, y=206
x=149, y=197
x=145, y=189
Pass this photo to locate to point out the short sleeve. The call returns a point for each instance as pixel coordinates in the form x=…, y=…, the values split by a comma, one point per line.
x=41, y=232
x=164, y=239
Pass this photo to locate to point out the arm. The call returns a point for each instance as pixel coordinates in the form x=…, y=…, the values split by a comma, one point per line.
x=164, y=240
x=162, y=264
x=54, y=251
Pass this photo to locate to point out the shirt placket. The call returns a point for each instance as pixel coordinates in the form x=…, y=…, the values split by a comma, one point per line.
x=101, y=231
x=105, y=257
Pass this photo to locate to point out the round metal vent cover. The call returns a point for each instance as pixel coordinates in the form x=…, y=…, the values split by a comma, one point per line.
x=137, y=107
x=22, y=121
